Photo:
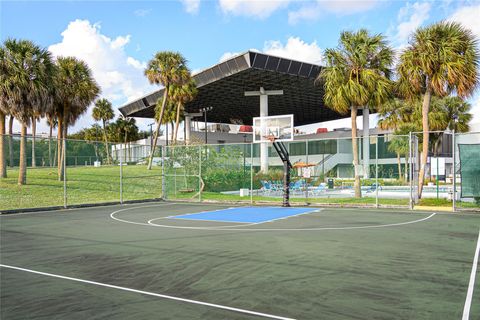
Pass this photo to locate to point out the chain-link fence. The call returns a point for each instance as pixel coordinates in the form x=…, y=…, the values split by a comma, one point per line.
x=388, y=168
x=74, y=172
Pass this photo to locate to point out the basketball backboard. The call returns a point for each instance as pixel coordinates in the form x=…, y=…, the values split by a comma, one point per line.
x=270, y=128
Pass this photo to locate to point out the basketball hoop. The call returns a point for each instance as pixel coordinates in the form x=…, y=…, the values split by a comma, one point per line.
x=270, y=138
x=273, y=128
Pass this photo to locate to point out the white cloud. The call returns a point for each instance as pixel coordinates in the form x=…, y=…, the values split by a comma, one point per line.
x=255, y=8
x=142, y=12
x=469, y=17
x=296, y=49
x=348, y=6
x=410, y=17
x=475, y=101
x=314, y=10
x=191, y=6
x=228, y=55
x=119, y=76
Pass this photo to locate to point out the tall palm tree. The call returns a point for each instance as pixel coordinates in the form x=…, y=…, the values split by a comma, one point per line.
x=52, y=124
x=35, y=117
x=182, y=94
x=103, y=111
x=76, y=89
x=3, y=112
x=166, y=68
x=357, y=75
x=26, y=86
x=169, y=116
x=114, y=134
x=126, y=126
x=10, y=139
x=440, y=59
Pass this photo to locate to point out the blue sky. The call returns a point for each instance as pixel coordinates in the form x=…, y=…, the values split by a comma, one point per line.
x=117, y=38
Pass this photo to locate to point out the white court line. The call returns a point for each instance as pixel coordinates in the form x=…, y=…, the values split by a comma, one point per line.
x=303, y=229
x=471, y=284
x=112, y=215
x=212, y=305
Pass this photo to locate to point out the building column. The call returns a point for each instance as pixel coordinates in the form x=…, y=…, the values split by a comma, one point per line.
x=263, y=145
x=263, y=94
x=366, y=142
x=188, y=128
x=188, y=124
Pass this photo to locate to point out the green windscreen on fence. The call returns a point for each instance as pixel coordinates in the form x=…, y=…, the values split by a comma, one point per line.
x=470, y=169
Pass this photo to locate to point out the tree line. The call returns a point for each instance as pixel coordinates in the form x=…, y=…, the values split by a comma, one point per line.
x=441, y=60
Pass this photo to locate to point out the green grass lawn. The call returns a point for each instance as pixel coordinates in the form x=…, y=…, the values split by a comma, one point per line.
x=88, y=185
x=84, y=185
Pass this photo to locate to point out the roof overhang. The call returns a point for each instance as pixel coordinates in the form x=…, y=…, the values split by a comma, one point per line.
x=222, y=87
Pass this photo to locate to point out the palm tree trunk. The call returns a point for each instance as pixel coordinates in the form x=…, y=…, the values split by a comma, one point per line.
x=399, y=162
x=22, y=172
x=356, y=184
x=50, y=146
x=3, y=155
x=63, y=155
x=59, y=146
x=10, y=140
x=177, y=122
x=34, y=132
x=109, y=160
x=423, y=164
x=162, y=111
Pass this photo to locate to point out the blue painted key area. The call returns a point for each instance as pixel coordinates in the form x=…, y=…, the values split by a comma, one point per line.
x=246, y=214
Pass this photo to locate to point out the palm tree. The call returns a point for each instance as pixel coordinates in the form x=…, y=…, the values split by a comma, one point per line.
x=182, y=94
x=114, y=134
x=456, y=106
x=398, y=115
x=10, y=139
x=93, y=135
x=103, y=111
x=35, y=117
x=75, y=91
x=52, y=124
x=440, y=59
x=126, y=126
x=166, y=68
x=394, y=114
x=25, y=81
x=169, y=116
x=3, y=112
x=400, y=144
x=357, y=75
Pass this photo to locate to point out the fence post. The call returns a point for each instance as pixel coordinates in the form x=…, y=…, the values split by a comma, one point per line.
x=251, y=173
x=454, y=193
x=64, y=164
x=121, y=179
x=410, y=167
x=307, y=168
x=163, y=150
x=200, y=172
x=376, y=172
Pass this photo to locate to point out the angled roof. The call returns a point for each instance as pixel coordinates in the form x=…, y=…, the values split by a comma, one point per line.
x=222, y=87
